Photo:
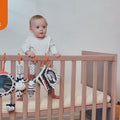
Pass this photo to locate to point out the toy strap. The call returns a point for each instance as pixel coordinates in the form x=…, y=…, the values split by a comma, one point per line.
x=35, y=59
x=20, y=58
x=46, y=61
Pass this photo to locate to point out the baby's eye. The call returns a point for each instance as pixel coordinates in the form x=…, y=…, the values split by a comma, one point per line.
x=37, y=27
x=44, y=26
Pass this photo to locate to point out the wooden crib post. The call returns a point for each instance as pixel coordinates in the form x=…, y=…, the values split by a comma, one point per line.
x=95, y=71
x=25, y=94
x=13, y=72
x=113, y=88
x=49, y=107
x=61, y=104
x=0, y=96
x=105, y=84
x=50, y=102
x=37, y=97
x=73, y=90
x=84, y=78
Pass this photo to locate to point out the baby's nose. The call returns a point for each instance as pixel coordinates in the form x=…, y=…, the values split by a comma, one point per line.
x=41, y=28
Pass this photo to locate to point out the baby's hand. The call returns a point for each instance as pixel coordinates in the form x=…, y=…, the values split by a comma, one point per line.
x=30, y=53
x=57, y=55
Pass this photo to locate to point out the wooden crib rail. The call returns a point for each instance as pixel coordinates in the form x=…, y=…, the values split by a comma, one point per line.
x=89, y=73
x=62, y=58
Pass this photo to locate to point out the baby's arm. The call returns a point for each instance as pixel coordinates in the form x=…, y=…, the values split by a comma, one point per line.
x=53, y=49
x=57, y=55
x=30, y=53
x=26, y=48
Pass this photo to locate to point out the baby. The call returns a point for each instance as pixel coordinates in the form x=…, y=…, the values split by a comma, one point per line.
x=39, y=43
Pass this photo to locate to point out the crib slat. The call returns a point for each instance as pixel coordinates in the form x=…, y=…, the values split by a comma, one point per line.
x=13, y=72
x=0, y=96
x=73, y=90
x=113, y=88
x=61, y=103
x=49, y=107
x=37, y=97
x=84, y=77
x=50, y=101
x=95, y=66
x=25, y=95
x=105, y=82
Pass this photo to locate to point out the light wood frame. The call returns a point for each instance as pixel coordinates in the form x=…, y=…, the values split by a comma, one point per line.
x=97, y=69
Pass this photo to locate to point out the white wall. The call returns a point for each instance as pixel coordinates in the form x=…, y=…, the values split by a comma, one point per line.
x=74, y=25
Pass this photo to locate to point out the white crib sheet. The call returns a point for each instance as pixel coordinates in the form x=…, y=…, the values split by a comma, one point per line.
x=67, y=99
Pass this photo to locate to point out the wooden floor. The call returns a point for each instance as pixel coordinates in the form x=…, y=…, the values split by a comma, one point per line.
x=55, y=117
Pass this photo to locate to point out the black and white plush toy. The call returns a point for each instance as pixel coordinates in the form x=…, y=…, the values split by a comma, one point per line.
x=20, y=82
x=47, y=77
x=10, y=107
x=20, y=86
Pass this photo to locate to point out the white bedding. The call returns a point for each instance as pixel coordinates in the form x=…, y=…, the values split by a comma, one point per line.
x=67, y=99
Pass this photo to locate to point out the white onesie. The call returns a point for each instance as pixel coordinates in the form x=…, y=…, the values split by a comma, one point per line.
x=39, y=47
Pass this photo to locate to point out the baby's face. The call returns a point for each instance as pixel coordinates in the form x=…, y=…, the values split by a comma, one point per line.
x=39, y=28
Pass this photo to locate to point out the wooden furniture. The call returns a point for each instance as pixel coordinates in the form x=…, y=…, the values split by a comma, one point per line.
x=117, y=112
x=98, y=70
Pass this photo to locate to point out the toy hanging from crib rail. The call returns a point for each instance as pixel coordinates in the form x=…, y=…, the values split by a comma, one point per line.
x=10, y=107
x=7, y=82
x=7, y=85
x=20, y=87
x=20, y=82
x=32, y=82
x=47, y=77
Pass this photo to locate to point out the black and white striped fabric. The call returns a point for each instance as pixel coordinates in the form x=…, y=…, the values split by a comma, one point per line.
x=47, y=77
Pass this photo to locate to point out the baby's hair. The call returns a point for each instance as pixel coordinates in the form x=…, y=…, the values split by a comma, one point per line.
x=37, y=17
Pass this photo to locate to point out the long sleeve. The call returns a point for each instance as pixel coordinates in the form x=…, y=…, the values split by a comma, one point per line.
x=52, y=47
x=26, y=46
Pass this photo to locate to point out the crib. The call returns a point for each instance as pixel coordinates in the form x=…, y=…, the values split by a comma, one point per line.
x=98, y=77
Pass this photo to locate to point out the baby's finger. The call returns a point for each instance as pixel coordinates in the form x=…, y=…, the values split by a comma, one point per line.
x=32, y=55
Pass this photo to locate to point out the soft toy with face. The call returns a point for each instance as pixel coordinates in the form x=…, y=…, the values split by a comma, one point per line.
x=20, y=84
x=19, y=94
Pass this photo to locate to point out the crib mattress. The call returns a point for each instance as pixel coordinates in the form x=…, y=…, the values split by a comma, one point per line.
x=55, y=102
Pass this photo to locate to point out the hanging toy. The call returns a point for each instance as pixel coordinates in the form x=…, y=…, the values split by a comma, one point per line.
x=19, y=94
x=20, y=87
x=10, y=107
x=47, y=77
x=20, y=82
x=7, y=85
x=32, y=82
x=7, y=82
